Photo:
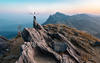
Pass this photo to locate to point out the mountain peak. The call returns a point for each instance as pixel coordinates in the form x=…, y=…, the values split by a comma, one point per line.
x=56, y=17
x=59, y=13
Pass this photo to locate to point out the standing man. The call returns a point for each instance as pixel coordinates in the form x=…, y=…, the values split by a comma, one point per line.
x=35, y=24
x=34, y=20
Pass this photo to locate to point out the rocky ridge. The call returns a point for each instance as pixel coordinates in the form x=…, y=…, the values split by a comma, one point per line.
x=57, y=44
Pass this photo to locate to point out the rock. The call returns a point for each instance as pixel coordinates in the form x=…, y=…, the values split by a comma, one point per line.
x=37, y=38
x=96, y=44
x=27, y=54
x=59, y=46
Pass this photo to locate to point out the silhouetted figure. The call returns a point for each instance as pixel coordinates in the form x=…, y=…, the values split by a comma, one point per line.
x=35, y=24
x=34, y=21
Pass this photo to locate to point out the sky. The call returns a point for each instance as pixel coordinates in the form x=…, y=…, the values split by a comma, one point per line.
x=50, y=6
x=19, y=12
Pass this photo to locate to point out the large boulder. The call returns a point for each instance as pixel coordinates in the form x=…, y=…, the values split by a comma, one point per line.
x=27, y=55
x=59, y=47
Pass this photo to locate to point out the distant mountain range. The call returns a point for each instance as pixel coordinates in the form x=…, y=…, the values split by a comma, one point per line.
x=85, y=22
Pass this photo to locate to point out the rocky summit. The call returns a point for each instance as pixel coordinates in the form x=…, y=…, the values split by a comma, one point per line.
x=57, y=43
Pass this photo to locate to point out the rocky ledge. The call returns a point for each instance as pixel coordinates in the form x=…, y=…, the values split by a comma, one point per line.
x=57, y=44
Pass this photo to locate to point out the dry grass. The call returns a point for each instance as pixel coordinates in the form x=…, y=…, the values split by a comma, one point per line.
x=15, y=44
x=81, y=39
x=54, y=28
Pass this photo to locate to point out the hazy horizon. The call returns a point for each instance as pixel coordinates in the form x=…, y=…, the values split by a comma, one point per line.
x=10, y=21
x=18, y=12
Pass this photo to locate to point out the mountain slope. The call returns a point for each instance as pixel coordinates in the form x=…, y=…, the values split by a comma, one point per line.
x=83, y=22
